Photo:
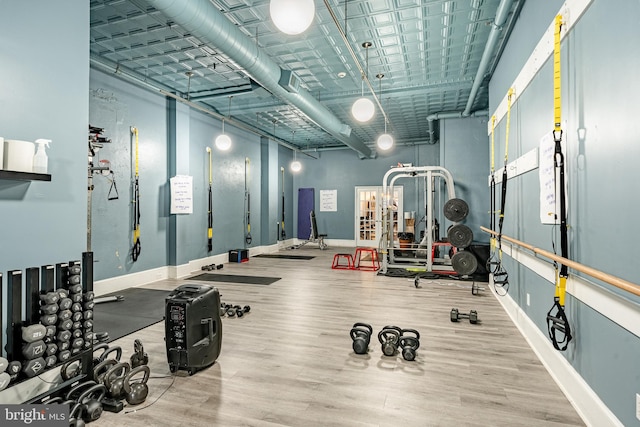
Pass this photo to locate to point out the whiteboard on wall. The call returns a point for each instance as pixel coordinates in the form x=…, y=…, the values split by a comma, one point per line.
x=328, y=200
x=549, y=185
x=181, y=194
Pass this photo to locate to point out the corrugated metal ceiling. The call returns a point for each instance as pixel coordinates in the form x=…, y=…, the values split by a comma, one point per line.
x=428, y=51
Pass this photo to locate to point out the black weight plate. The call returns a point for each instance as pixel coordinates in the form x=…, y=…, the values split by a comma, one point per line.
x=456, y=210
x=460, y=235
x=464, y=262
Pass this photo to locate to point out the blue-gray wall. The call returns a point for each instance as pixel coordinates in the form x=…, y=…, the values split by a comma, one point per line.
x=53, y=95
x=342, y=170
x=464, y=154
x=44, y=80
x=117, y=107
x=599, y=95
x=172, y=141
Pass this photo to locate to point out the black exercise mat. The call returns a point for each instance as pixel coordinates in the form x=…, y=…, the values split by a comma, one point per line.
x=305, y=257
x=139, y=309
x=232, y=278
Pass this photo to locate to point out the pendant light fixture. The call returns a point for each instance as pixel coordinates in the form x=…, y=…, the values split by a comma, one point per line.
x=364, y=109
x=292, y=16
x=223, y=141
x=296, y=166
x=385, y=141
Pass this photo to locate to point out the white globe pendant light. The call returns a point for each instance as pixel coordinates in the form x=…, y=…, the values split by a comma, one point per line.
x=363, y=109
x=223, y=142
x=385, y=141
x=292, y=16
x=296, y=166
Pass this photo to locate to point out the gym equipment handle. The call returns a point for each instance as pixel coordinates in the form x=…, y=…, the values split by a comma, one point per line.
x=597, y=274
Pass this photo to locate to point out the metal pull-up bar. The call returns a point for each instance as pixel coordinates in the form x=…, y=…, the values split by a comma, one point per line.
x=597, y=274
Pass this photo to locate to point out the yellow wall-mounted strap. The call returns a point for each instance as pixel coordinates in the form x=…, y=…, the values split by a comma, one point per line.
x=493, y=129
x=210, y=213
x=557, y=100
x=134, y=130
x=561, y=288
x=248, y=172
x=506, y=146
x=561, y=279
x=492, y=241
x=210, y=168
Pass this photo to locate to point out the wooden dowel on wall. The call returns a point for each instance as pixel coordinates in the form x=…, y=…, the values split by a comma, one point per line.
x=597, y=274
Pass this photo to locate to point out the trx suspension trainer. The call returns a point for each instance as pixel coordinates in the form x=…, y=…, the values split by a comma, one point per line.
x=247, y=192
x=210, y=212
x=557, y=322
x=137, y=247
x=283, y=234
x=492, y=262
x=500, y=275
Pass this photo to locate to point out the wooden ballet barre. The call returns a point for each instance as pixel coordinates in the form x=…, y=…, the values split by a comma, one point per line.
x=605, y=277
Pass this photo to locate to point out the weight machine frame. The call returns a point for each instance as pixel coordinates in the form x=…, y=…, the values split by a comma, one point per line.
x=427, y=243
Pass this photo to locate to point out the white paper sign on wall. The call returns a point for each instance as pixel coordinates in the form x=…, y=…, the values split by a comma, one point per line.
x=328, y=200
x=181, y=194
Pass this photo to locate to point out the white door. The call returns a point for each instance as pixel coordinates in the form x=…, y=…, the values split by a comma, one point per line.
x=369, y=215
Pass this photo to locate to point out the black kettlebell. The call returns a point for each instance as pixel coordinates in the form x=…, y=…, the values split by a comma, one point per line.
x=75, y=391
x=361, y=336
x=409, y=342
x=389, y=338
x=102, y=368
x=71, y=369
x=114, y=379
x=75, y=416
x=136, y=391
x=139, y=356
x=102, y=347
x=91, y=401
x=107, y=352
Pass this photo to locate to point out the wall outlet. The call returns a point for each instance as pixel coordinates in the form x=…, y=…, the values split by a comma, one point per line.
x=638, y=406
x=528, y=299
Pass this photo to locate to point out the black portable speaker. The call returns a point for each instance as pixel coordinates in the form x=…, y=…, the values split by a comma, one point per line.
x=193, y=329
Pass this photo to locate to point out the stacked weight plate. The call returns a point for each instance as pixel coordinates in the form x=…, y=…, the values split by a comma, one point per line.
x=463, y=261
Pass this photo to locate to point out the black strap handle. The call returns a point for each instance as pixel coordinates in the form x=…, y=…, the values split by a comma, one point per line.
x=137, y=246
x=558, y=326
x=113, y=187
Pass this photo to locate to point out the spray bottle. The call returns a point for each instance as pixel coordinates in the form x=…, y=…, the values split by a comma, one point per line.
x=40, y=160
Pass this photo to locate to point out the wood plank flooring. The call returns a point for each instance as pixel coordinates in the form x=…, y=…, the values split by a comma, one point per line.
x=289, y=362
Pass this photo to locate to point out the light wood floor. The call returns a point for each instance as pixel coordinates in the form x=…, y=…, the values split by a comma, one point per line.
x=289, y=362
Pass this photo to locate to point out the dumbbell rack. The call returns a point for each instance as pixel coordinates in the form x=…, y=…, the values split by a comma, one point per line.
x=47, y=278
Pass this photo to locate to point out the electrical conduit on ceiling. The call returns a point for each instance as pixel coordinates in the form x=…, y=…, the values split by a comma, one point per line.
x=202, y=19
x=437, y=116
x=502, y=13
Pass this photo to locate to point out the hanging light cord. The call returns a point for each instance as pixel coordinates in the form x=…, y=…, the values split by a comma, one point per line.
x=228, y=113
x=380, y=76
x=353, y=54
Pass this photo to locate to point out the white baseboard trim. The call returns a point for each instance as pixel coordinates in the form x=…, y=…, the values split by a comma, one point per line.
x=585, y=401
x=337, y=243
x=340, y=243
x=132, y=280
